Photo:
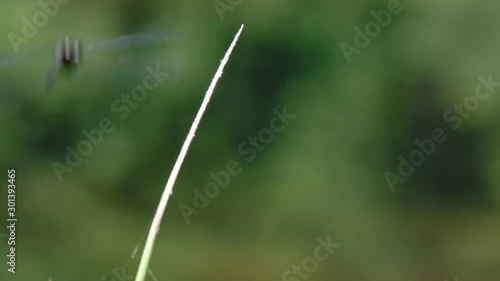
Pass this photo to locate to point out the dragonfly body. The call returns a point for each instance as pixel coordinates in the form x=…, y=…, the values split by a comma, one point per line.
x=67, y=54
x=70, y=53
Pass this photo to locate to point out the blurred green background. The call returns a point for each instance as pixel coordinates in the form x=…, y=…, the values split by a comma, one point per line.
x=322, y=175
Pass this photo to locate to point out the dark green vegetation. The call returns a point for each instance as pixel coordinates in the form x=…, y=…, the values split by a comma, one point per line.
x=323, y=174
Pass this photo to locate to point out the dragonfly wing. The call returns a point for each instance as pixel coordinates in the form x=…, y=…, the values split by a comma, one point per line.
x=8, y=60
x=25, y=71
x=129, y=41
x=128, y=56
x=56, y=65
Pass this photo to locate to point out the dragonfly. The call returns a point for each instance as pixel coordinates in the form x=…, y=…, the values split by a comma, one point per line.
x=69, y=53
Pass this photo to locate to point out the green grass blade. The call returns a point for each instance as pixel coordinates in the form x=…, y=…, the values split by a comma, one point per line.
x=155, y=226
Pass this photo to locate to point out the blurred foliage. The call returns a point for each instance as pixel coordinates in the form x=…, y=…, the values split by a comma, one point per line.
x=323, y=175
